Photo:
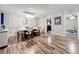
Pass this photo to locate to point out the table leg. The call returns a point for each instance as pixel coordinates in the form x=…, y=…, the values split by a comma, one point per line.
x=18, y=36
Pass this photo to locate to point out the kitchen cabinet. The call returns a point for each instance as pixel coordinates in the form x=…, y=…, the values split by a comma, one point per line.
x=3, y=38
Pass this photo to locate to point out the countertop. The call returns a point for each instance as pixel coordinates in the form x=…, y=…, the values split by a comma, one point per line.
x=5, y=30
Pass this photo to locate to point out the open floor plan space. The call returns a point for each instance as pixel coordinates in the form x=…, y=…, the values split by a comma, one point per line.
x=39, y=28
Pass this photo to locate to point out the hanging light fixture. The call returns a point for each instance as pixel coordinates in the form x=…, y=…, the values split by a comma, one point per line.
x=29, y=15
x=72, y=17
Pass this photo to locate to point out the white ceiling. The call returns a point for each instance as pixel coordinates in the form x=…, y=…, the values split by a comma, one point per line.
x=39, y=9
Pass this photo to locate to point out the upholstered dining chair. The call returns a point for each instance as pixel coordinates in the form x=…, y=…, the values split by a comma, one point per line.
x=26, y=34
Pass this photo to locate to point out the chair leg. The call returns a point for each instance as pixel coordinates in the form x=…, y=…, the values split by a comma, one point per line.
x=18, y=36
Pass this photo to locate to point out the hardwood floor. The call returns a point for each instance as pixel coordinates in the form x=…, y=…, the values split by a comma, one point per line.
x=44, y=44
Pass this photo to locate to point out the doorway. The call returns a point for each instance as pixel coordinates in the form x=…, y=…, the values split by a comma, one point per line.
x=72, y=26
x=49, y=25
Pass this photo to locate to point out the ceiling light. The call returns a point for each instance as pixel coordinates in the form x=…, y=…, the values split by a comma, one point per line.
x=29, y=13
x=30, y=16
x=72, y=17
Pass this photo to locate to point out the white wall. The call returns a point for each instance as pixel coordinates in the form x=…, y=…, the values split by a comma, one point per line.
x=78, y=24
x=56, y=29
x=6, y=19
x=41, y=22
x=14, y=22
x=31, y=22
x=71, y=23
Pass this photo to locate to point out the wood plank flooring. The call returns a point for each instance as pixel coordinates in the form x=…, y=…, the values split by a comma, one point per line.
x=44, y=44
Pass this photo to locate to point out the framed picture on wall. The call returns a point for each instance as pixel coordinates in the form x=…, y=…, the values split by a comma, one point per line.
x=57, y=20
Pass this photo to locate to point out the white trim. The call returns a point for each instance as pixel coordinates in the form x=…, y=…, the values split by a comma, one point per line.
x=12, y=34
x=59, y=34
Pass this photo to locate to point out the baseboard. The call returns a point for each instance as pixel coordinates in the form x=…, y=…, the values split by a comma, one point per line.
x=58, y=34
x=11, y=35
x=3, y=47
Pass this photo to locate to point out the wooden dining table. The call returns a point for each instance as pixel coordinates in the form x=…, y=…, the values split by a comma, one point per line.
x=20, y=32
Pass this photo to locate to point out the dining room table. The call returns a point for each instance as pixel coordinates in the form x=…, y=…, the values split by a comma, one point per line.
x=20, y=33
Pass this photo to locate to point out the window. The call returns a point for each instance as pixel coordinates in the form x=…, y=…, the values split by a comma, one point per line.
x=2, y=18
